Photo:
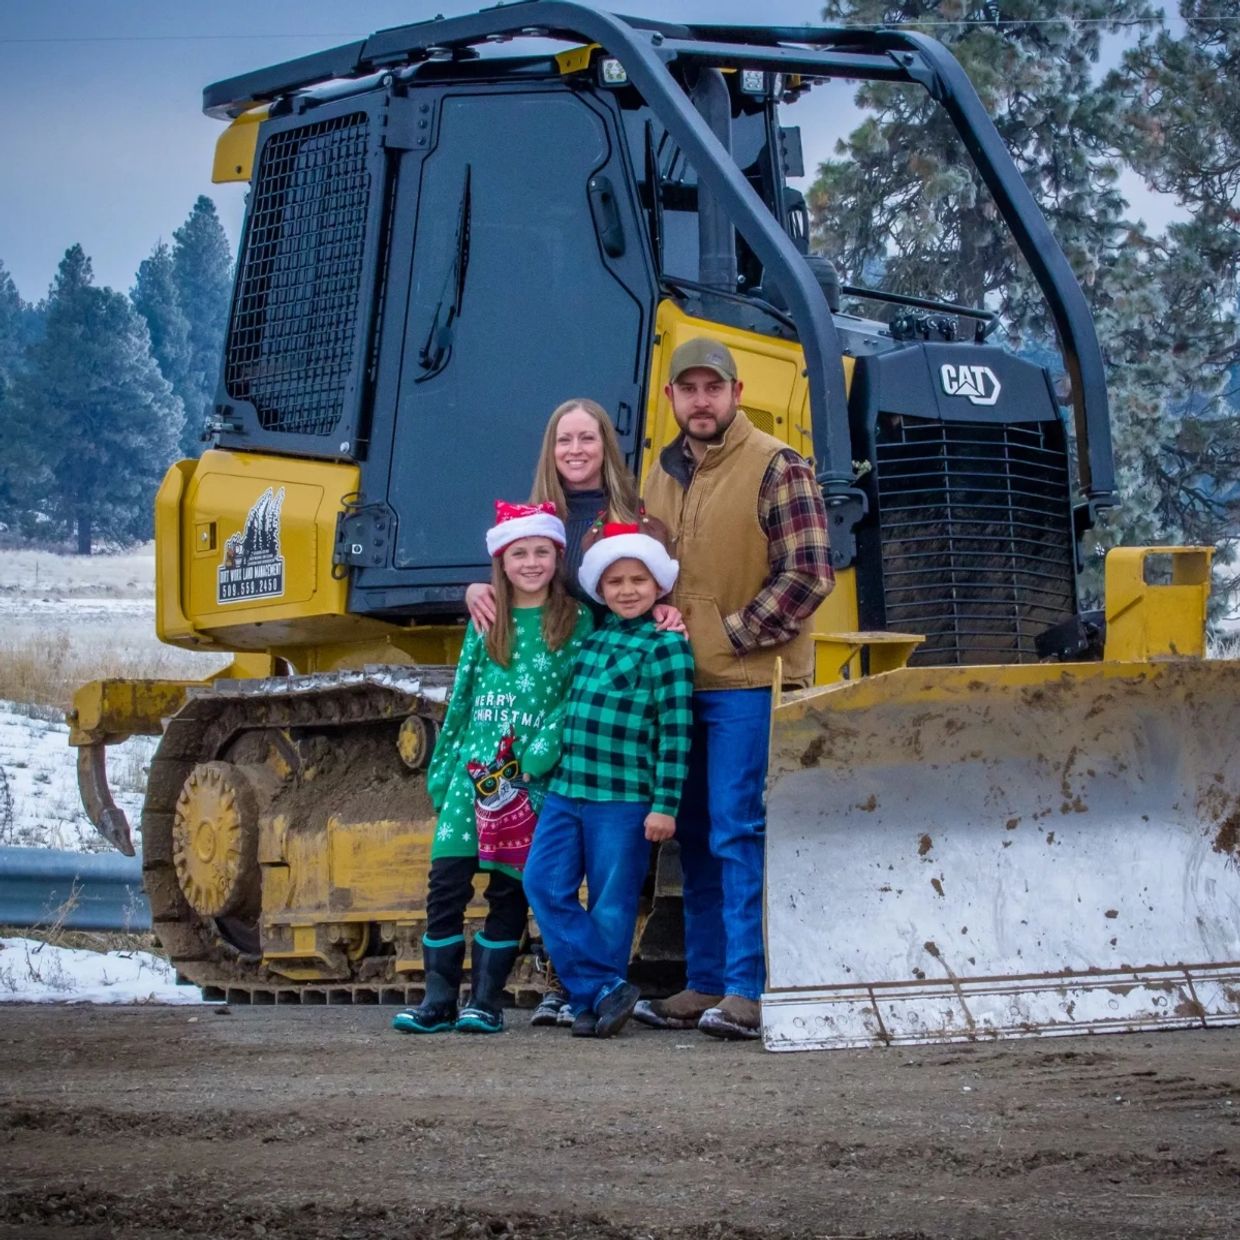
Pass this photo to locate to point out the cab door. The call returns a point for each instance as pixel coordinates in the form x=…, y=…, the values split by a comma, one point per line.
x=528, y=282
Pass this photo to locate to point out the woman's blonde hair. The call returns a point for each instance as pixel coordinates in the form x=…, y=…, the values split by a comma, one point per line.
x=559, y=613
x=618, y=483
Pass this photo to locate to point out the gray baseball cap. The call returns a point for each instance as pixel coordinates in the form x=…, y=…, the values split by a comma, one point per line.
x=703, y=352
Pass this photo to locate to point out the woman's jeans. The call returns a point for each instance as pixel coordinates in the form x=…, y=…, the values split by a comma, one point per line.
x=722, y=832
x=604, y=842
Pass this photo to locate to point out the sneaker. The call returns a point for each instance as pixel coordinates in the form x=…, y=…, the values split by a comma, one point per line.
x=615, y=1008
x=585, y=1024
x=680, y=1011
x=735, y=1018
x=550, y=1010
x=565, y=1017
x=479, y=1020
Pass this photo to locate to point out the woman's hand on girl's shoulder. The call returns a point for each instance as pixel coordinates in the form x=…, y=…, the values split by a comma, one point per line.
x=480, y=602
x=667, y=618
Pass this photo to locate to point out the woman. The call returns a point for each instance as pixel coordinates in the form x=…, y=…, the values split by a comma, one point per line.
x=582, y=472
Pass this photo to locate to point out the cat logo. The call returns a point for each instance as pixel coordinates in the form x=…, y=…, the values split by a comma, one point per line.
x=977, y=384
x=253, y=567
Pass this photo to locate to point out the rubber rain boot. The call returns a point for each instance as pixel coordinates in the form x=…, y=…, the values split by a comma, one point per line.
x=490, y=965
x=444, y=961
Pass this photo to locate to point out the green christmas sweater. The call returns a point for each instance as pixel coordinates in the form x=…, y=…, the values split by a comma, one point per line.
x=488, y=701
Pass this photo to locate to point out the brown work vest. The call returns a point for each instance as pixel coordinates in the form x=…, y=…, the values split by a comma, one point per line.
x=722, y=548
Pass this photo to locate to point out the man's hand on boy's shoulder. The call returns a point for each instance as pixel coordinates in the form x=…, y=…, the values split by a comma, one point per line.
x=659, y=827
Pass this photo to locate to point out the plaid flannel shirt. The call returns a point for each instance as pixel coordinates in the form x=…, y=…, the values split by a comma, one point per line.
x=794, y=519
x=628, y=717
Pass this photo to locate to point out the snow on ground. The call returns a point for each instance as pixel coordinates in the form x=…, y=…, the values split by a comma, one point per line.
x=66, y=620
x=39, y=802
x=129, y=575
x=14, y=608
x=33, y=972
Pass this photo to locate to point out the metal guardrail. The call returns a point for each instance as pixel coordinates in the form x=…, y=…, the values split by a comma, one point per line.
x=75, y=891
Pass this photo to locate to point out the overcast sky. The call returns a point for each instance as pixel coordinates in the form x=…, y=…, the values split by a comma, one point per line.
x=103, y=140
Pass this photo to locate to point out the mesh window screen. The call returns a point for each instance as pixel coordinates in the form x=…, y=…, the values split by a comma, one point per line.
x=295, y=318
x=977, y=540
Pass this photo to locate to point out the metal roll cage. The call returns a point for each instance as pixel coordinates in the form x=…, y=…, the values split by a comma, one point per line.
x=646, y=49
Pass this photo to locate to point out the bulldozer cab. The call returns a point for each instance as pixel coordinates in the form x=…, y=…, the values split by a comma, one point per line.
x=498, y=233
x=445, y=240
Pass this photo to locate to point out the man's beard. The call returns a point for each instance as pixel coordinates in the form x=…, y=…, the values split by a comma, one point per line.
x=721, y=426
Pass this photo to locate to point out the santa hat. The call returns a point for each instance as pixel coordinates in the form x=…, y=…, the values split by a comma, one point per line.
x=616, y=541
x=514, y=521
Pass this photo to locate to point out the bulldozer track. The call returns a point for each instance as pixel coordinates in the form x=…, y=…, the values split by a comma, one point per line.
x=211, y=952
x=285, y=994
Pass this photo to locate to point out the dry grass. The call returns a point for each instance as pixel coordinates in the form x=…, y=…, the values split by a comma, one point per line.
x=86, y=940
x=44, y=667
x=67, y=619
x=1223, y=645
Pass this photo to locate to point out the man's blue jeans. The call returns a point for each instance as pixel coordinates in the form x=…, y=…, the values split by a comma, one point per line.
x=604, y=842
x=722, y=832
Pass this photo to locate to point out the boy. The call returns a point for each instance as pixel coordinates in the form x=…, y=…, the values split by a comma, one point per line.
x=617, y=788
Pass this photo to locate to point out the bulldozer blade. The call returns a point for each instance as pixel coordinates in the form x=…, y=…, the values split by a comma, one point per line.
x=961, y=854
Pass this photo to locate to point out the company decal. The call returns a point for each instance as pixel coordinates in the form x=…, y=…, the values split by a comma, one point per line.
x=253, y=567
x=979, y=385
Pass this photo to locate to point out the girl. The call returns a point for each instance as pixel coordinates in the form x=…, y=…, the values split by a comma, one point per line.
x=502, y=730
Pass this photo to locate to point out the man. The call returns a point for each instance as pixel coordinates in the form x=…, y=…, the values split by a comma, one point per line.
x=750, y=531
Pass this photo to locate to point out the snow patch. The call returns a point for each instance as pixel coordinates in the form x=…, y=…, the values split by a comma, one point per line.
x=128, y=575
x=39, y=802
x=76, y=610
x=33, y=972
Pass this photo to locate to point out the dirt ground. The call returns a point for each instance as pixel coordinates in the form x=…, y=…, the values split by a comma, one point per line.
x=320, y=1122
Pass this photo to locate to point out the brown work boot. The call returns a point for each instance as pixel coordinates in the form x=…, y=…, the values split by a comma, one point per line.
x=681, y=1011
x=734, y=1018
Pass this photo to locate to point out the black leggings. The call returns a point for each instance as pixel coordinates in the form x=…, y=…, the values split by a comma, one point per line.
x=450, y=888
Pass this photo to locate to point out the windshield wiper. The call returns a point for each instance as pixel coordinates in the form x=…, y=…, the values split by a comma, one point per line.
x=436, y=351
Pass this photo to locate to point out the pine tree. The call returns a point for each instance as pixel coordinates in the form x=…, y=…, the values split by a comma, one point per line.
x=155, y=297
x=1179, y=127
x=202, y=273
x=906, y=194
x=906, y=198
x=15, y=331
x=94, y=424
x=20, y=326
x=12, y=310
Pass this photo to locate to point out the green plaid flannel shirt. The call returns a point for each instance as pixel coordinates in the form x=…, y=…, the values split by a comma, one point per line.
x=628, y=717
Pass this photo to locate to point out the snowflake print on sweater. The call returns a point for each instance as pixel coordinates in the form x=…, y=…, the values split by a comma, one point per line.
x=488, y=701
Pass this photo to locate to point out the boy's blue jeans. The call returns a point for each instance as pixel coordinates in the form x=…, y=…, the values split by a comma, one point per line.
x=722, y=832
x=604, y=841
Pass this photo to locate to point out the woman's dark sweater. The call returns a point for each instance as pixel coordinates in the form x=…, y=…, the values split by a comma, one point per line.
x=584, y=508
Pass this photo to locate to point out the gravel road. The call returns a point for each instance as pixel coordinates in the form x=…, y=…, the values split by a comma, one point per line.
x=316, y=1123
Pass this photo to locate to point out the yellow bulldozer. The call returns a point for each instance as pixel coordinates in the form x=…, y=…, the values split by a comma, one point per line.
x=994, y=816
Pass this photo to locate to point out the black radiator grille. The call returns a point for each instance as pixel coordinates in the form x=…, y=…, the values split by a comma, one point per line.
x=297, y=307
x=977, y=543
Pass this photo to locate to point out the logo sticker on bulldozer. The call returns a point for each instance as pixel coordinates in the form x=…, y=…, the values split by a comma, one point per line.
x=979, y=385
x=253, y=567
